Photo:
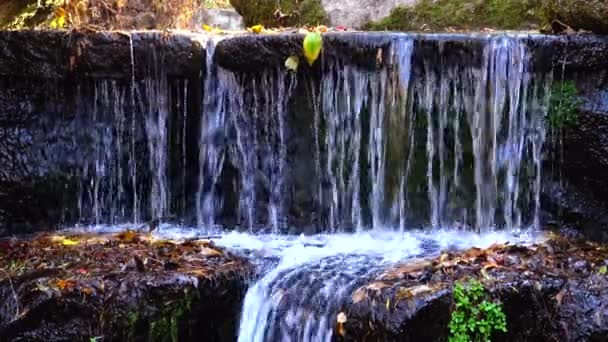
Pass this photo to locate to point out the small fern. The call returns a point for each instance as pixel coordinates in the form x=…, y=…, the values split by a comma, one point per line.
x=475, y=317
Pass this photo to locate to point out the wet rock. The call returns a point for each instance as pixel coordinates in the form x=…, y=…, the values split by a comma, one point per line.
x=80, y=280
x=223, y=18
x=354, y=13
x=65, y=54
x=543, y=298
x=589, y=15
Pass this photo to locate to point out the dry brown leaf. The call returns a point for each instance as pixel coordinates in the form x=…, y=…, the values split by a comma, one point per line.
x=359, y=295
x=559, y=297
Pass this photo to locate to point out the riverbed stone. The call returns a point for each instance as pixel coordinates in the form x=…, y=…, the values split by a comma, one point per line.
x=545, y=297
x=127, y=286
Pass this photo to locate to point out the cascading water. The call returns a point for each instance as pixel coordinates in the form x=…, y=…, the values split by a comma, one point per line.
x=424, y=138
x=468, y=136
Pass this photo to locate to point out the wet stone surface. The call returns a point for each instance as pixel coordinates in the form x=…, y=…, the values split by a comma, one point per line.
x=126, y=286
x=554, y=291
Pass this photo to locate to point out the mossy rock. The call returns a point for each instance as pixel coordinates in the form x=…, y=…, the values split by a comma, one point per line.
x=462, y=14
x=288, y=12
x=16, y=14
x=589, y=15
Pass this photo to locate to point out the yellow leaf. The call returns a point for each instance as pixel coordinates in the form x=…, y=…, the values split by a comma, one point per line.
x=207, y=28
x=256, y=29
x=322, y=28
x=69, y=242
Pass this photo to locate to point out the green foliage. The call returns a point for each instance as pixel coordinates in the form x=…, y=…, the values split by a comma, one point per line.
x=563, y=106
x=272, y=13
x=166, y=328
x=15, y=14
x=475, y=318
x=464, y=14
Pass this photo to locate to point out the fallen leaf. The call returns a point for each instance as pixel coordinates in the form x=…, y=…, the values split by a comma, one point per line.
x=63, y=284
x=322, y=28
x=292, y=63
x=559, y=297
x=69, y=242
x=127, y=236
x=359, y=295
x=257, y=29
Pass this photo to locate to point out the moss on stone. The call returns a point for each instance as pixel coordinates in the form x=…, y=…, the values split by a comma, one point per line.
x=16, y=14
x=294, y=12
x=462, y=14
x=590, y=15
x=166, y=327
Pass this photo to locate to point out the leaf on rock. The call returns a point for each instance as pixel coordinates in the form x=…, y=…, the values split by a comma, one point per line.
x=210, y=252
x=359, y=295
x=257, y=29
x=64, y=284
x=69, y=242
x=292, y=63
x=127, y=236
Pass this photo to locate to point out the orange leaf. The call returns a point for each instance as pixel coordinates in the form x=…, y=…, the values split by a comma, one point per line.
x=63, y=284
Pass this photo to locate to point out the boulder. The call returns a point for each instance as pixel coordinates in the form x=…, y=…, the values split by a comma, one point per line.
x=223, y=18
x=551, y=291
x=356, y=13
x=588, y=15
x=127, y=286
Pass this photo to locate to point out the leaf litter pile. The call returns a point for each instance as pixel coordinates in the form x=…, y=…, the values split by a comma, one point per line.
x=117, y=270
x=559, y=271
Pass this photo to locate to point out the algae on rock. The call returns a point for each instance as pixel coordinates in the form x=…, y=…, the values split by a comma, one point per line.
x=461, y=14
x=589, y=15
x=272, y=13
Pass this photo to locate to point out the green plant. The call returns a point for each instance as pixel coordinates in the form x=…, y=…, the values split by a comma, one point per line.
x=475, y=317
x=563, y=105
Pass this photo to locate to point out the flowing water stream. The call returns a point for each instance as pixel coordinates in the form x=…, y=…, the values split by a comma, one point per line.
x=426, y=151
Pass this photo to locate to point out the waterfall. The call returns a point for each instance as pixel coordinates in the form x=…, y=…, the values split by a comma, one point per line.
x=218, y=84
x=423, y=138
x=459, y=142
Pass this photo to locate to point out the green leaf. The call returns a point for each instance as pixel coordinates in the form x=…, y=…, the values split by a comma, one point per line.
x=313, y=44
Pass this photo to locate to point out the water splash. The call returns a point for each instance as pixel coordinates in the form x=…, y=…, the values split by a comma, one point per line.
x=300, y=297
x=376, y=162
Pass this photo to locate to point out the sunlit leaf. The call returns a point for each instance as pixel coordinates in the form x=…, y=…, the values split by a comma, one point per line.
x=69, y=242
x=256, y=29
x=313, y=44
